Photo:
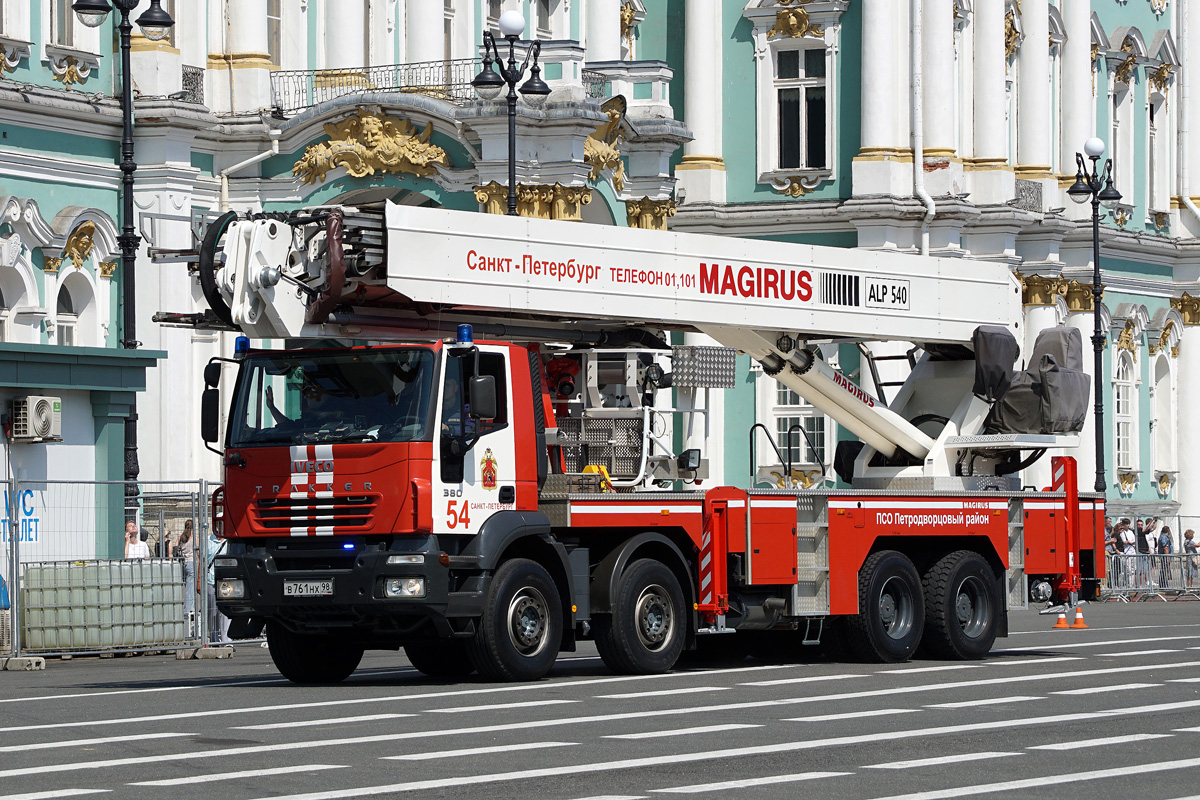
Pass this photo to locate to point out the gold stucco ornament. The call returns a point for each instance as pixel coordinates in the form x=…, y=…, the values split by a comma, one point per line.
x=601, y=149
x=367, y=143
x=80, y=244
x=794, y=23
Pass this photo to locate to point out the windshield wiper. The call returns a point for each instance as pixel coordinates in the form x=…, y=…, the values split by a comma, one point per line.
x=354, y=436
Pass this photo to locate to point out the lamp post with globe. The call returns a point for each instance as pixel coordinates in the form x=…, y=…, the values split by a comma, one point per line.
x=488, y=84
x=155, y=24
x=1096, y=184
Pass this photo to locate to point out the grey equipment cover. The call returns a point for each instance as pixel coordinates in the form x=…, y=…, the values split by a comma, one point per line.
x=996, y=351
x=1050, y=396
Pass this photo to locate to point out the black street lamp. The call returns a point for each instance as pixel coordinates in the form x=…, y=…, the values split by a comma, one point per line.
x=1097, y=185
x=155, y=24
x=489, y=82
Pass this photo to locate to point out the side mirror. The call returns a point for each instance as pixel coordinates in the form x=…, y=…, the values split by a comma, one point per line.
x=481, y=389
x=212, y=374
x=210, y=413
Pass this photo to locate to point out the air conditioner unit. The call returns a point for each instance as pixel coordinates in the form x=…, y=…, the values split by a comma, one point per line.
x=37, y=419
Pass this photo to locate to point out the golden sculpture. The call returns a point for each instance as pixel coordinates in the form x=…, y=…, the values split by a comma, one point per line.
x=80, y=244
x=628, y=24
x=1126, y=341
x=792, y=187
x=1127, y=481
x=1037, y=290
x=649, y=214
x=799, y=477
x=1124, y=70
x=1012, y=37
x=51, y=265
x=1188, y=308
x=70, y=74
x=1164, y=484
x=1079, y=297
x=107, y=268
x=1121, y=216
x=1160, y=76
x=5, y=66
x=1161, y=220
x=794, y=23
x=601, y=148
x=538, y=201
x=367, y=143
x=1163, y=339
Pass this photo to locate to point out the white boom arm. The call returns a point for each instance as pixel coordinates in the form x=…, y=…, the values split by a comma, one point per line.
x=521, y=272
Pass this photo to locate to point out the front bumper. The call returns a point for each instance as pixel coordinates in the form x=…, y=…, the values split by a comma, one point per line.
x=454, y=590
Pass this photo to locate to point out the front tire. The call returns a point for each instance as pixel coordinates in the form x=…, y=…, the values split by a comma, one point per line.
x=521, y=627
x=646, y=630
x=891, y=609
x=448, y=659
x=311, y=658
x=962, y=607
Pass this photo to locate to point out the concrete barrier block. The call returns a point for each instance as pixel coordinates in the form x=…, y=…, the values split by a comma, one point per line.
x=214, y=652
x=23, y=664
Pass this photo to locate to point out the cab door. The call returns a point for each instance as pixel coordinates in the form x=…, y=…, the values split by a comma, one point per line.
x=474, y=470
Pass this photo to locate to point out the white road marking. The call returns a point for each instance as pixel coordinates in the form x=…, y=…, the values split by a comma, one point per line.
x=933, y=762
x=1018, y=661
x=615, y=797
x=207, y=777
x=1187, y=730
x=688, y=690
x=1135, y=653
x=915, y=670
x=498, y=706
x=477, y=751
x=1117, y=628
x=304, y=723
x=502, y=689
x=805, y=679
x=738, y=752
x=989, y=701
x=54, y=793
x=1094, y=644
x=680, y=731
x=878, y=712
x=1048, y=780
x=1183, y=680
x=17, y=748
x=643, y=714
x=769, y=780
x=1106, y=689
x=1082, y=743
x=143, y=691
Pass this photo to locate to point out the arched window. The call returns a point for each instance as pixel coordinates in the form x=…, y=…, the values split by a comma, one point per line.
x=1164, y=435
x=66, y=318
x=1125, y=412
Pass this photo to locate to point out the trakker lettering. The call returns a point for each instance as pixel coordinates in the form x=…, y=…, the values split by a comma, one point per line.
x=766, y=283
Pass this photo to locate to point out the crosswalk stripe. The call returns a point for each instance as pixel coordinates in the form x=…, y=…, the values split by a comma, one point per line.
x=1108, y=689
x=805, y=679
x=19, y=748
x=986, y=701
x=1135, y=653
x=477, y=751
x=1082, y=743
x=1048, y=780
x=748, y=783
x=680, y=731
x=53, y=794
x=688, y=690
x=878, y=712
x=1072, y=645
x=209, y=777
x=938, y=760
x=499, y=706
x=305, y=723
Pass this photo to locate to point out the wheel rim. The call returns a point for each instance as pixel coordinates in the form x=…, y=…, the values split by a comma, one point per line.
x=896, y=608
x=528, y=615
x=972, y=607
x=654, y=618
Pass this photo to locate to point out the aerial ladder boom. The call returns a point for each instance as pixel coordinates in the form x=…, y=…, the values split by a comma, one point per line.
x=338, y=273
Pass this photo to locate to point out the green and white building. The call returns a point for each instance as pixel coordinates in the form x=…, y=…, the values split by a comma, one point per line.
x=793, y=120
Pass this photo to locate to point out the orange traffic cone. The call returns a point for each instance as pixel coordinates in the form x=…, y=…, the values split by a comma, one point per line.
x=1079, y=623
x=1061, y=622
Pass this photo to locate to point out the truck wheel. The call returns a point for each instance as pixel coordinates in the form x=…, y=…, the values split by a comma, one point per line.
x=521, y=627
x=645, y=632
x=311, y=658
x=961, y=607
x=891, y=609
x=440, y=659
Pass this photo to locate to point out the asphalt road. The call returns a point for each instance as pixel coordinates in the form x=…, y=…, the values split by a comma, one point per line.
x=1113, y=711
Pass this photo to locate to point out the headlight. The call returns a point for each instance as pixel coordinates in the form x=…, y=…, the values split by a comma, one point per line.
x=224, y=562
x=231, y=589
x=406, y=559
x=404, y=587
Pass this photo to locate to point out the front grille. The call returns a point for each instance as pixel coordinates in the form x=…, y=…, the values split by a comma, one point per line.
x=314, y=512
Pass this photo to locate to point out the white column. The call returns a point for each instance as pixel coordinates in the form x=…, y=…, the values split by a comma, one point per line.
x=1190, y=76
x=1188, y=489
x=937, y=39
x=1075, y=95
x=346, y=34
x=879, y=167
x=423, y=32
x=1039, y=315
x=1033, y=92
x=1085, y=454
x=989, y=181
x=240, y=74
x=604, y=30
x=247, y=27
x=701, y=174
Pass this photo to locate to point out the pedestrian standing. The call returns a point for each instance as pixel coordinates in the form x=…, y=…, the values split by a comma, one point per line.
x=1165, y=548
x=218, y=623
x=1193, y=557
x=185, y=551
x=1129, y=553
x=135, y=546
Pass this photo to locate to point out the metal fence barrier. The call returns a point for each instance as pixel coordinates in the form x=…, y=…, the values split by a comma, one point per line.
x=67, y=587
x=1148, y=577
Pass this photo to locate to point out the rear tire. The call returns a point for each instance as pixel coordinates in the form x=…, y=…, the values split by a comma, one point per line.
x=311, y=658
x=891, y=609
x=521, y=628
x=962, y=607
x=645, y=632
x=448, y=659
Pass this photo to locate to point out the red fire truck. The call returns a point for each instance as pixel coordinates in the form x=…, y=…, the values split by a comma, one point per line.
x=501, y=445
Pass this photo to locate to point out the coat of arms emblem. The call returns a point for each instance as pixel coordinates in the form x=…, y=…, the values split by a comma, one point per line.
x=488, y=469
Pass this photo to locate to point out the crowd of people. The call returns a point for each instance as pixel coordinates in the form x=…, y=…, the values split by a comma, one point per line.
x=1142, y=543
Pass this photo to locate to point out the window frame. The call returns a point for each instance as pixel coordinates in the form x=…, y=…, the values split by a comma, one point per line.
x=770, y=412
x=803, y=83
x=56, y=21
x=275, y=43
x=1125, y=413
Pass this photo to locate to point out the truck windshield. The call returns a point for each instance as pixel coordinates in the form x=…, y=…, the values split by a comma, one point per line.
x=359, y=396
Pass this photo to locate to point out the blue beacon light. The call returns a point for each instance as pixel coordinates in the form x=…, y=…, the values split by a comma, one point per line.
x=241, y=345
x=464, y=334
